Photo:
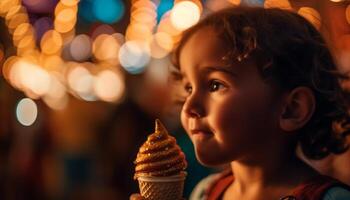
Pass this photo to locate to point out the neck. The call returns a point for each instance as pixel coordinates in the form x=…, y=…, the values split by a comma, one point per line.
x=274, y=171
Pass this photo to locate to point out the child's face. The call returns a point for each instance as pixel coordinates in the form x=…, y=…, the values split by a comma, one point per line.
x=230, y=112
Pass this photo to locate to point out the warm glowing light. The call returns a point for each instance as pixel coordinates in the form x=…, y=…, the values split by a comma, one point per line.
x=53, y=63
x=119, y=37
x=57, y=97
x=311, y=15
x=102, y=29
x=6, y=67
x=68, y=36
x=282, y=4
x=51, y=42
x=109, y=86
x=6, y=5
x=147, y=17
x=26, y=111
x=33, y=77
x=16, y=20
x=70, y=2
x=185, y=14
x=161, y=45
x=336, y=1
x=138, y=31
x=56, y=103
x=134, y=56
x=65, y=20
x=80, y=80
x=62, y=6
x=14, y=10
x=105, y=47
x=234, y=2
x=80, y=48
x=25, y=44
x=143, y=4
x=21, y=31
x=167, y=26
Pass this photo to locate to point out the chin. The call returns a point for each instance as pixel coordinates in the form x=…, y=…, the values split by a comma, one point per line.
x=209, y=160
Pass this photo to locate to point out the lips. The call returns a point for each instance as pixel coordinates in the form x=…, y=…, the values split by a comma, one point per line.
x=201, y=132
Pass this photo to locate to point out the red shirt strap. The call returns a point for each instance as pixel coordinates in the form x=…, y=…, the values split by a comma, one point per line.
x=316, y=187
x=219, y=187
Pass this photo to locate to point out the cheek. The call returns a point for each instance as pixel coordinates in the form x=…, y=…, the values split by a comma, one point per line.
x=184, y=120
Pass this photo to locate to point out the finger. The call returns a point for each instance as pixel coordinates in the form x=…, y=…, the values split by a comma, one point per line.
x=136, y=197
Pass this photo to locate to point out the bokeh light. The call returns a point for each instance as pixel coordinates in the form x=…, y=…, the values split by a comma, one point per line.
x=24, y=29
x=51, y=42
x=163, y=7
x=99, y=29
x=109, y=86
x=105, y=47
x=161, y=45
x=62, y=6
x=16, y=20
x=41, y=26
x=52, y=63
x=235, y=2
x=57, y=97
x=80, y=48
x=311, y=15
x=15, y=10
x=65, y=20
x=185, y=14
x=134, y=56
x=40, y=6
x=26, y=112
x=32, y=77
x=282, y=4
x=108, y=11
x=138, y=31
x=27, y=43
x=81, y=81
x=6, y=5
x=70, y=2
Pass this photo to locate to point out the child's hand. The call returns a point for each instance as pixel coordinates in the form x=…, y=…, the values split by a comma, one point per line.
x=136, y=197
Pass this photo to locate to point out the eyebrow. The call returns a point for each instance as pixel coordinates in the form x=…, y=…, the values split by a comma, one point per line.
x=224, y=69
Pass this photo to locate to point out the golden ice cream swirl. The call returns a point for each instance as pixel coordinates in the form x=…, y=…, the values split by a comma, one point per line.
x=159, y=155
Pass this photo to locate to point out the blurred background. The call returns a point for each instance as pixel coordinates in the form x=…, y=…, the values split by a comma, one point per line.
x=82, y=81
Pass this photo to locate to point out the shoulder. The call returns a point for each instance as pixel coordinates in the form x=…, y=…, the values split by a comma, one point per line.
x=337, y=193
x=206, y=186
x=199, y=192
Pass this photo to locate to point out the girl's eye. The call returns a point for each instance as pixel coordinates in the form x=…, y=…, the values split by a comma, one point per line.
x=215, y=86
x=188, y=88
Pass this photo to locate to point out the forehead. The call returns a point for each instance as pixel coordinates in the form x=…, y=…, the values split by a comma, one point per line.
x=203, y=47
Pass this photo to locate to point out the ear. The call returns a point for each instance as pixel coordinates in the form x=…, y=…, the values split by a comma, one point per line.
x=298, y=108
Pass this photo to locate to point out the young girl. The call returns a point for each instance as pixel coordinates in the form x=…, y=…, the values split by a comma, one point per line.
x=259, y=83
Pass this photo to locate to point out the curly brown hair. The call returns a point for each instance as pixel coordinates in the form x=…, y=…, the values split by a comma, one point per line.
x=289, y=53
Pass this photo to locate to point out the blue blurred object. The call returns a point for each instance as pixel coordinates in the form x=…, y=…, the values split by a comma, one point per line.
x=108, y=11
x=163, y=7
x=253, y=2
x=85, y=11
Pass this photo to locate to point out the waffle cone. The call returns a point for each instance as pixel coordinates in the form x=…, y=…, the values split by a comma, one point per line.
x=162, y=188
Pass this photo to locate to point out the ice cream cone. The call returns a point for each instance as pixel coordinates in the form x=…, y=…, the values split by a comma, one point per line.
x=160, y=166
x=162, y=188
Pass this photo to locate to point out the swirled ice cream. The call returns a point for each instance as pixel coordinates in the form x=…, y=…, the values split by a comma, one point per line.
x=159, y=156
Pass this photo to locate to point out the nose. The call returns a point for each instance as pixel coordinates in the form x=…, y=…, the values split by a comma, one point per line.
x=193, y=106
